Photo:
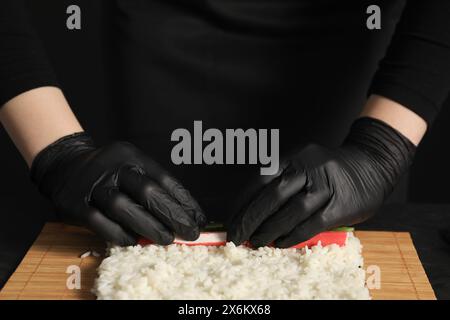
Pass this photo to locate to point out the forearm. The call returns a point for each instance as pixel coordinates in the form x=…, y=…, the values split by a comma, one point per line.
x=397, y=116
x=36, y=118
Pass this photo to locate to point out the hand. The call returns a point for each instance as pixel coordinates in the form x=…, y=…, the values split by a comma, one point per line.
x=116, y=191
x=319, y=189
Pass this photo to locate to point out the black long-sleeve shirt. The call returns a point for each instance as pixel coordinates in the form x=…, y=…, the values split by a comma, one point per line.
x=23, y=62
x=415, y=71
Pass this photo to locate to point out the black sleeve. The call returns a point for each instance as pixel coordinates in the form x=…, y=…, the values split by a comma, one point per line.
x=416, y=69
x=23, y=63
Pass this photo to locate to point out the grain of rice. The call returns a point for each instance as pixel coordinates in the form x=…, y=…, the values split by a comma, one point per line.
x=85, y=255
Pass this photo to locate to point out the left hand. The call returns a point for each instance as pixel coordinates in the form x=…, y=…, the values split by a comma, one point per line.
x=318, y=188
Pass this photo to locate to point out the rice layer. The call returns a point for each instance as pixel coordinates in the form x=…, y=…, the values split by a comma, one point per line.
x=230, y=272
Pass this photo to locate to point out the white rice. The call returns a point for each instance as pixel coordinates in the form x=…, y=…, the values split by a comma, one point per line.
x=230, y=272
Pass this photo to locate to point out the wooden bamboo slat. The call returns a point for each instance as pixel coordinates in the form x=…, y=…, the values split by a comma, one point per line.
x=42, y=272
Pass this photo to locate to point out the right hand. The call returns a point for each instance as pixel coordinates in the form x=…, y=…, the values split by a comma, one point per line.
x=116, y=191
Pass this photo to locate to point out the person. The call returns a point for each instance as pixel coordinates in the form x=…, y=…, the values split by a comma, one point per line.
x=119, y=192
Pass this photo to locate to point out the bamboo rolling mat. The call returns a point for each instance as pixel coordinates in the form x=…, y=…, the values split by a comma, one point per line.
x=42, y=272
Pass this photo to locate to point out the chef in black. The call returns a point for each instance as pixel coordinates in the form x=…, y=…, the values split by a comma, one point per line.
x=234, y=64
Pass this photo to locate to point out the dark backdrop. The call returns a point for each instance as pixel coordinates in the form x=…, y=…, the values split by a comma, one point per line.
x=82, y=61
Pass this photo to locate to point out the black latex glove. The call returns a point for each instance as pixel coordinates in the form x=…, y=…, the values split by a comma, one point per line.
x=318, y=189
x=116, y=191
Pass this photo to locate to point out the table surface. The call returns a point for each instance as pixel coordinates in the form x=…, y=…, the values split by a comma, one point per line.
x=42, y=272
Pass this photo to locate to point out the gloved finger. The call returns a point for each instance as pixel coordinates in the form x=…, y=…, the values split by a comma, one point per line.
x=297, y=209
x=304, y=231
x=108, y=229
x=176, y=190
x=134, y=182
x=120, y=208
x=256, y=184
x=267, y=202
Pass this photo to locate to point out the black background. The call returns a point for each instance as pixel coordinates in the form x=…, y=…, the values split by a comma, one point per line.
x=82, y=60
